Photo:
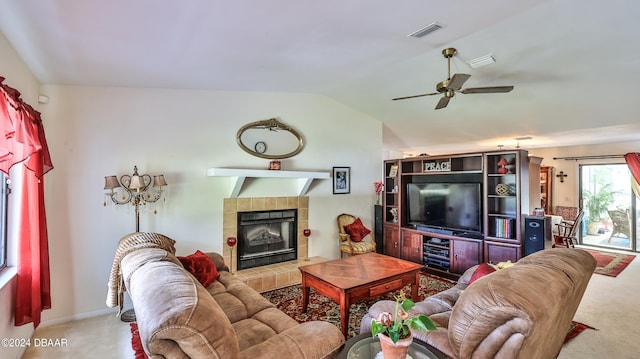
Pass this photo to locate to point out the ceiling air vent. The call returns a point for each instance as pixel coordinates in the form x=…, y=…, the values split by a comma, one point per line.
x=426, y=30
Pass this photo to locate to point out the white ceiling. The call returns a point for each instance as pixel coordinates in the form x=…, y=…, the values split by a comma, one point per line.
x=574, y=64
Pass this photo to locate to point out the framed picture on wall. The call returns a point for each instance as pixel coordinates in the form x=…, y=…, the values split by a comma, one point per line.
x=341, y=180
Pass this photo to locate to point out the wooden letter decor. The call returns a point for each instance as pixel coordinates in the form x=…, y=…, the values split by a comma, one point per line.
x=437, y=166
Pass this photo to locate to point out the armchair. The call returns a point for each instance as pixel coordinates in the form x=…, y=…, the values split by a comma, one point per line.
x=355, y=238
x=621, y=223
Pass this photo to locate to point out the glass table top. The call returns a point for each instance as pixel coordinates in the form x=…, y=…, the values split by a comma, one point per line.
x=369, y=347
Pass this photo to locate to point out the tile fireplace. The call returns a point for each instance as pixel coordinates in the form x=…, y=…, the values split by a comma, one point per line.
x=266, y=237
x=293, y=244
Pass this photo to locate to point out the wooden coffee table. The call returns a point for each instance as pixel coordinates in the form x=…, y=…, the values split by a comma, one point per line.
x=365, y=276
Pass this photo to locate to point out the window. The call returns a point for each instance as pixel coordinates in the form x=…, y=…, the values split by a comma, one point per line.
x=4, y=192
x=611, y=214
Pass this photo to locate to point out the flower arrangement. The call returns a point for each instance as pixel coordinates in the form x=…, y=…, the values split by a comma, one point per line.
x=377, y=186
x=397, y=326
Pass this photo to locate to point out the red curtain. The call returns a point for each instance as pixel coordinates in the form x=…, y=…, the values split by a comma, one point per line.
x=22, y=141
x=633, y=162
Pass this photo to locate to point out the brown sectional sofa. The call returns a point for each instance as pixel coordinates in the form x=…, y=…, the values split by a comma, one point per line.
x=178, y=318
x=523, y=311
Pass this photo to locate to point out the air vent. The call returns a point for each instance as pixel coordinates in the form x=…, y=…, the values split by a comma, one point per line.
x=481, y=61
x=426, y=30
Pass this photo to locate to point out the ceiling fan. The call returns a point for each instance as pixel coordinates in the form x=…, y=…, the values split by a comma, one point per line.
x=454, y=84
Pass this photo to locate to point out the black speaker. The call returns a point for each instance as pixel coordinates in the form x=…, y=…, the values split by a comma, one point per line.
x=535, y=231
x=378, y=232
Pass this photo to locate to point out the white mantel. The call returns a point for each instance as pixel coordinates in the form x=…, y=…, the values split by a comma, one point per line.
x=239, y=175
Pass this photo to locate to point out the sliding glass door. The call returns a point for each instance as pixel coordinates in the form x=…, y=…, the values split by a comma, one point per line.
x=611, y=216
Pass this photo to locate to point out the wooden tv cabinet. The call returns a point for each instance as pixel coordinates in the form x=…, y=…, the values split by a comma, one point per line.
x=504, y=182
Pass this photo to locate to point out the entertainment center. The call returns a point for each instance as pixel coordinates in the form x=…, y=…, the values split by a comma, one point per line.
x=451, y=212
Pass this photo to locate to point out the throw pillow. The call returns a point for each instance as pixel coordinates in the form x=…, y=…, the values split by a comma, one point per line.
x=201, y=266
x=482, y=270
x=356, y=230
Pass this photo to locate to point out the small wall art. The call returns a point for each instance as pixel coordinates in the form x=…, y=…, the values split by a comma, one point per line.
x=341, y=180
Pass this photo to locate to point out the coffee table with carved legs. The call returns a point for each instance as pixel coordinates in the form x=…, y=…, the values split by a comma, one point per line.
x=365, y=276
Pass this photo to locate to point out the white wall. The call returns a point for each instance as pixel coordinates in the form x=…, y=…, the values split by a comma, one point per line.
x=566, y=193
x=96, y=131
x=18, y=76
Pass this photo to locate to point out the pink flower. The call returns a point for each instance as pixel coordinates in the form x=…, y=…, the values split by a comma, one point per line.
x=385, y=318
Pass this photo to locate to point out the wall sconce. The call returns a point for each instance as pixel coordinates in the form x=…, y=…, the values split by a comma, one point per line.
x=137, y=190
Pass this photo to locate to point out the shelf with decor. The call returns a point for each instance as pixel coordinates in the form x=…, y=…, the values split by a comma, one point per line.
x=506, y=192
x=391, y=191
x=454, y=164
x=546, y=192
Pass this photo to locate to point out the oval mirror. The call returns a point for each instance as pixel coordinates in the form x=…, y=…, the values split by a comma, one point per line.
x=269, y=139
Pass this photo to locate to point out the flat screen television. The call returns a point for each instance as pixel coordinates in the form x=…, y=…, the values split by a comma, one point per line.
x=452, y=206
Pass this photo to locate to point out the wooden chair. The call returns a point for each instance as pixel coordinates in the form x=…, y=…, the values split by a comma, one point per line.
x=350, y=246
x=567, y=213
x=621, y=223
x=567, y=231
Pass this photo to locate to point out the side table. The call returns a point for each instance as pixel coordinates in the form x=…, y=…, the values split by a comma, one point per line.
x=364, y=346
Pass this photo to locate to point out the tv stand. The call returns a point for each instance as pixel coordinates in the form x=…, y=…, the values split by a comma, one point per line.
x=504, y=181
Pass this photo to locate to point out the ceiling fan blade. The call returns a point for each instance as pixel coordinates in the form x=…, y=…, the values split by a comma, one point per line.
x=495, y=89
x=406, y=97
x=457, y=81
x=444, y=101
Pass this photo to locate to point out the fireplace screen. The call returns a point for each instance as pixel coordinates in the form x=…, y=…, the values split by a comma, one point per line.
x=266, y=237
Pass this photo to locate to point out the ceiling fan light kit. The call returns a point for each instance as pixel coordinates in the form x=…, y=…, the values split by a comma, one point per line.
x=454, y=84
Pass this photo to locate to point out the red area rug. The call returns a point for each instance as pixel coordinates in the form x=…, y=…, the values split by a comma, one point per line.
x=576, y=328
x=289, y=299
x=136, y=344
x=609, y=263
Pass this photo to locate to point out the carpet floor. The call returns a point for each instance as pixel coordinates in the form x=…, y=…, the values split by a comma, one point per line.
x=609, y=263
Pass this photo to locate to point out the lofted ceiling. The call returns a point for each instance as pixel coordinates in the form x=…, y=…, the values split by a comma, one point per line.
x=574, y=65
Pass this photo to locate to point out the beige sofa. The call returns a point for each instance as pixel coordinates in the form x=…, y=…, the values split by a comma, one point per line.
x=178, y=318
x=523, y=311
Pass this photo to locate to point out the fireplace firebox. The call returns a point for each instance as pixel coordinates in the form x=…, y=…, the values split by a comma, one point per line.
x=267, y=237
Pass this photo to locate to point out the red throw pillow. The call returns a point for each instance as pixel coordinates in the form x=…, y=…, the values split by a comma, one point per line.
x=482, y=270
x=356, y=230
x=201, y=266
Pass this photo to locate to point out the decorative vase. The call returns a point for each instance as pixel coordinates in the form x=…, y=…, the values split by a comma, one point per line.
x=398, y=350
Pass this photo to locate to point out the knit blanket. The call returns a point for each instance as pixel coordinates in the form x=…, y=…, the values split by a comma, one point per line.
x=128, y=244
